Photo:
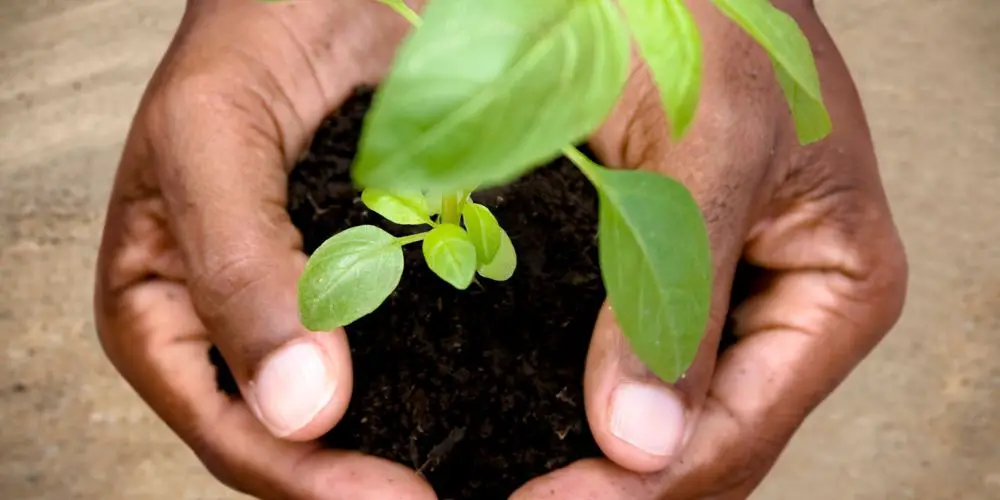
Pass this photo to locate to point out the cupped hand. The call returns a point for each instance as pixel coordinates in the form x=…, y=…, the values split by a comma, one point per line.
x=198, y=249
x=803, y=243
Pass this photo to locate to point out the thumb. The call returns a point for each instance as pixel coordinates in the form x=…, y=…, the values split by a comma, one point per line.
x=296, y=382
x=223, y=178
x=639, y=421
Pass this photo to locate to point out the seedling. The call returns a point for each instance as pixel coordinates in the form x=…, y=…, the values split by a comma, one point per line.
x=486, y=90
x=354, y=271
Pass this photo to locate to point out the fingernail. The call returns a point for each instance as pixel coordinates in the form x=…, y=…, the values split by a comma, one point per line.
x=648, y=417
x=293, y=385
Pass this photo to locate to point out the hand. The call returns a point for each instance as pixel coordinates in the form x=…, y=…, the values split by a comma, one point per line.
x=802, y=238
x=198, y=248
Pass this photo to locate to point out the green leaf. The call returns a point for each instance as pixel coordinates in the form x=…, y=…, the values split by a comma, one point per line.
x=669, y=42
x=484, y=231
x=792, y=56
x=812, y=122
x=656, y=264
x=434, y=204
x=348, y=277
x=405, y=208
x=489, y=89
x=502, y=267
x=451, y=255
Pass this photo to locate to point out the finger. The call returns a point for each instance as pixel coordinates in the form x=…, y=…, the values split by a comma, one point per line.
x=161, y=349
x=224, y=182
x=800, y=337
x=639, y=421
x=590, y=479
x=801, y=334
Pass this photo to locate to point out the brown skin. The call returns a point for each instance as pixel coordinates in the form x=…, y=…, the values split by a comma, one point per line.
x=198, y=249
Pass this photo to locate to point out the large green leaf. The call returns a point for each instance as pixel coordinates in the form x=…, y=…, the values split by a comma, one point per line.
x=502, y=267
x=656, y=264
x=789, y=49
x=451, y=255
x=669, y=42
x=348, y=277
x=487, y=89
x=484, y=231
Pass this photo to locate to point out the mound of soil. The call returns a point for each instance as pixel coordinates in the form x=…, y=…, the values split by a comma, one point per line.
x=478, y=390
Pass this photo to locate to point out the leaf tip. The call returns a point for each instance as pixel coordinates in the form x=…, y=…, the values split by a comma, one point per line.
x=818, y=130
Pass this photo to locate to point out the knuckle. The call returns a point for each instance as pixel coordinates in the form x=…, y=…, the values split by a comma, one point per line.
x=890, y=281
x=218, y=464
x=178, y=92
x=229, y=90
x=171, y=104
x=225, y=280
x=746, y=450
x=109, y=334
x=747, y=464
x=753, y=456
x=244, y=474
x=122, y=329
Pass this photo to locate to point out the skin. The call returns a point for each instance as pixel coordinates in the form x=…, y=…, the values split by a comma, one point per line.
x=198, y=250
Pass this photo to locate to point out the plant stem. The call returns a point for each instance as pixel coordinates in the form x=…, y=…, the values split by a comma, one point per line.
x=413, y=238
x=463, y=198
x=411, y=16
x=580, y=160
x=405, y=11
x=450, y=209
x=575, y=155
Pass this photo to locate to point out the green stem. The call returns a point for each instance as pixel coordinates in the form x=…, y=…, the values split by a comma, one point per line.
x=413, y=238
x=463, y=197
x=449, y=209
x=411, y=16
x=404, y=10
x=580, y=160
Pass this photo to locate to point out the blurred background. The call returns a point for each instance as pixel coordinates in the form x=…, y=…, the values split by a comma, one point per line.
x=919, y=419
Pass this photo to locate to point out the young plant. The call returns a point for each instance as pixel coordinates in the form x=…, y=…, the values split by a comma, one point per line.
x=486, y=90
x=354, y=271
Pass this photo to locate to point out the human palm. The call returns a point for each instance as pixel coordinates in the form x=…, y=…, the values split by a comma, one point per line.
x=198, y=250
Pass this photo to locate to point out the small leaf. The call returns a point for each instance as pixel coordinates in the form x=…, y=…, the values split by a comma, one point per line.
x=451, y=255
x=479, y=94
x=656, y=264
x=348, y=277
x=669, y=42
x=484, y=231
x=502, y=267
x=404, y=208
x=792, y=56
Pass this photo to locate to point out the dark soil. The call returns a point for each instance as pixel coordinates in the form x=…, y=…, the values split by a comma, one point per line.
x=479, y=390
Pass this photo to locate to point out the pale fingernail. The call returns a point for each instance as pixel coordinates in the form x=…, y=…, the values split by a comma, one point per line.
x=648, y=417
x=292, y=387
